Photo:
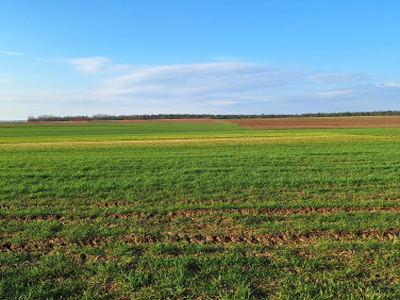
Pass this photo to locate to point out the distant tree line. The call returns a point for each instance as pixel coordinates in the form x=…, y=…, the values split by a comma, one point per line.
x=104, y=117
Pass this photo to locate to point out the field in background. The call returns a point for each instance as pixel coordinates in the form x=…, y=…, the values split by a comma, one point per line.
x=169, y=210
x=270, y=123
x=310, y=123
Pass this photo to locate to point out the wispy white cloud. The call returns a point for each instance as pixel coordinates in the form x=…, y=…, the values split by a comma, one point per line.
x=219, y=83
x=392, y=84
x=332, y=94
x=2, y=80
x=197, y=79
x=222, y=103
x=331, y=78
x=12, y=53
x=361, y=97
x=225, y=58
x=96, y=65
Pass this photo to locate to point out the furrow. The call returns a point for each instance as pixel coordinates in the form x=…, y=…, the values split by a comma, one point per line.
x=202, y=212
x=280, y=239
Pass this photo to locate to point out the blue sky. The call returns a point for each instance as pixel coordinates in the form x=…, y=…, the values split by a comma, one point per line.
x=136, y=57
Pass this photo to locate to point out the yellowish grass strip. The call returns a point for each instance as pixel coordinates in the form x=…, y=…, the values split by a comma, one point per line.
x=315, y=139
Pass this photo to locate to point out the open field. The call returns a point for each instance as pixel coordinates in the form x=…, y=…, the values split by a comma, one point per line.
x=170, y=210
x=170, y=121
x=304, y=123
x=272, y=123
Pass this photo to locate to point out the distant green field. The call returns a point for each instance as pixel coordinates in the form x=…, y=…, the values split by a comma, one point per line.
x=104, y=131
x=152, y=210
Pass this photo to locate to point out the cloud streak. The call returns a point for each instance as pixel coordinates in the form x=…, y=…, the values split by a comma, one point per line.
x=4, y=80
x=198, y=79
x=12, y=53
x=96, y=65
x=220, y=84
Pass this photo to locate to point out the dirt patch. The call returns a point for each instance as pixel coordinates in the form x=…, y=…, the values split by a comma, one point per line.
x=279, y=239
x=170, y=216
x=285, y=211
x=318, y=123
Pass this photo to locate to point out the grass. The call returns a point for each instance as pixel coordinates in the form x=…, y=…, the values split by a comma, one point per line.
x=197, y=210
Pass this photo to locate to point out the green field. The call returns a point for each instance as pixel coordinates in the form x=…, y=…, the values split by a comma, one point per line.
x=150, y=210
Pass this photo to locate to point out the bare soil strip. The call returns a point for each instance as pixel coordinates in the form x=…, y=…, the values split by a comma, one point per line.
x=205, y=212
x=283, y=238
x=271, y=123
x=319, y=123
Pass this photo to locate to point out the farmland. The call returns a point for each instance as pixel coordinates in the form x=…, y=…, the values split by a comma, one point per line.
x=209, y=210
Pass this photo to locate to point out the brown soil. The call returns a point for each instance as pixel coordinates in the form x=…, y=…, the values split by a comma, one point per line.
x=279, y=239
x=204, y=212
x=271, y=123
x=315, y=123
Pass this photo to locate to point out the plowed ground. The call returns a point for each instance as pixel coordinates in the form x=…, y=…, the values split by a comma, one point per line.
x=316, y=123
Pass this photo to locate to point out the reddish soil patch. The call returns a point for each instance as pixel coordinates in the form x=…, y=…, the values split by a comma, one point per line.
x=315, y=123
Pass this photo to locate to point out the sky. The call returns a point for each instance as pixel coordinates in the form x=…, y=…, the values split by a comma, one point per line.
x=123, y=57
